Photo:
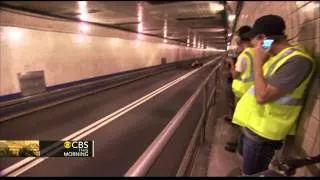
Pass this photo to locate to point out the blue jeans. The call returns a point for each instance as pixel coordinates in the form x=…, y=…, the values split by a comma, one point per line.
x=256, y=155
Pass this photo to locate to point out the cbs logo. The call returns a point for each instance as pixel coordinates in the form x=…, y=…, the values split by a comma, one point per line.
x=76, y=144
x=67, y=144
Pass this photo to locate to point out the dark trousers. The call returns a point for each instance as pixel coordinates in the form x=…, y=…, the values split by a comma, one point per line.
x=230, y=97
x=256, y=155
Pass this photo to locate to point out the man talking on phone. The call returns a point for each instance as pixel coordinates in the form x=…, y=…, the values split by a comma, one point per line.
x=269, y=110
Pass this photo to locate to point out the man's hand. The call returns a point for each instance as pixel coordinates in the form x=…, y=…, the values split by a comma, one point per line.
x=261, y=54
x=264, y=91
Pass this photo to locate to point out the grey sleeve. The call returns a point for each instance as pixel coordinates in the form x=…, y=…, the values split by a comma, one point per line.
x=291, y=74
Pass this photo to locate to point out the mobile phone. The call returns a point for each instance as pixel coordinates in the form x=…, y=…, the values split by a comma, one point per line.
x=267, y=43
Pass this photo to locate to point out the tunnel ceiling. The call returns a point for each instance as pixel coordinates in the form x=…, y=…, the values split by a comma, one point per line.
x=176, y=20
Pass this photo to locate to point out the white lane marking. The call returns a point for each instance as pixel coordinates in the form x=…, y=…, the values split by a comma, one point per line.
x=107, y=120
x=95, y=126
x=27, y=160
x=90, y=126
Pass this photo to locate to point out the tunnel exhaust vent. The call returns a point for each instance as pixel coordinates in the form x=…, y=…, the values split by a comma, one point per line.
x=32, y=82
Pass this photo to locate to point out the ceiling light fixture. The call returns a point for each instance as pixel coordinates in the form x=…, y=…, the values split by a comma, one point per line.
x=165, y=29
x=83, y=10
x=215, y=7
x=82, y=6
x=140, y=27
x=14, y=34
x=84, y=27
x=84, y=16
x=140, y=14
x=231, y=17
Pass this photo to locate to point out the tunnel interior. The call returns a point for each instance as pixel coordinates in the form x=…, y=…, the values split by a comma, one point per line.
x=145, y=82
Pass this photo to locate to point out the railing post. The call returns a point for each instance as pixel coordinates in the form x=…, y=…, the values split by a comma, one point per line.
x=204, y=110
x=217, y=86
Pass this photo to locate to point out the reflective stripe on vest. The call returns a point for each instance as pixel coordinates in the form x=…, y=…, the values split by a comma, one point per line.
x=285, y=54
x=250, y=78
x=284, y=100
x=242, y=83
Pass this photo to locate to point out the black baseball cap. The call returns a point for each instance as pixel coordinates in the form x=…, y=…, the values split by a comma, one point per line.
x=269, y=25
x=244, y=33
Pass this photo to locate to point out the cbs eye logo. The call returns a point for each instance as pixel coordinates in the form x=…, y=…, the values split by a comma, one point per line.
x=67, y=144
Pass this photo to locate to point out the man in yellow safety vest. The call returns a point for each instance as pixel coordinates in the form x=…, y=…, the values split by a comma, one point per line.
x=242, y=74
x=269, y=110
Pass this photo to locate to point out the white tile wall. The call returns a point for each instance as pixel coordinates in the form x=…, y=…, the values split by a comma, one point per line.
x=65, y=55
x=300, y=3
x=317, y=26
x=316, y=110
x=306, y=13
x=316, y=148
x=292, y=19
x=313, y=128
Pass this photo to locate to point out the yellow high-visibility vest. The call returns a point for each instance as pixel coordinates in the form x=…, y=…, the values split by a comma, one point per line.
x=274, y=120
x=241, y=84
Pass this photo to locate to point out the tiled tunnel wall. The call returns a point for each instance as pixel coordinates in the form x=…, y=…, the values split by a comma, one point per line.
x=302, y=26
x=70, y=51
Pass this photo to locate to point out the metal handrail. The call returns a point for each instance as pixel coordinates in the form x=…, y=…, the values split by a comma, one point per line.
x=87, y=84
x=146, y=160
x=192, y=145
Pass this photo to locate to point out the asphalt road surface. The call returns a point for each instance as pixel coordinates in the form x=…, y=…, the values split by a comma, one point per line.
x=120, y=142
